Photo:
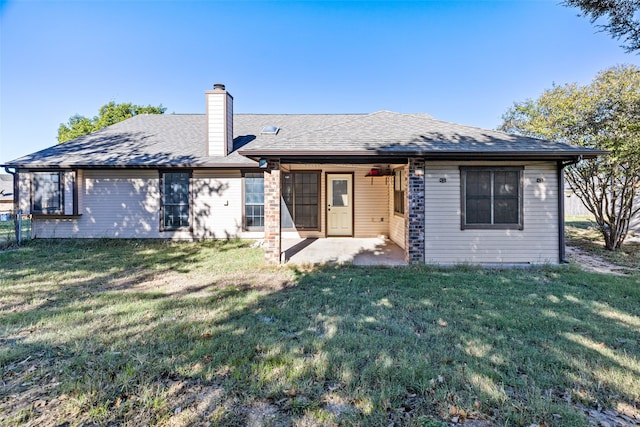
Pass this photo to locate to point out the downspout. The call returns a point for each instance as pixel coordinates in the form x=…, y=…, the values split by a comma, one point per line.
x=561, y=238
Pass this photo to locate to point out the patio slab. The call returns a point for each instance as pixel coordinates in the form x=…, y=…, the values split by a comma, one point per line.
x=343, y=250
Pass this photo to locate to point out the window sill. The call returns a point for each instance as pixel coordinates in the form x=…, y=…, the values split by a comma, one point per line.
x=54, y=216
x=492, y=227
x=300, y=229
x=169, y=230
x=398, y=214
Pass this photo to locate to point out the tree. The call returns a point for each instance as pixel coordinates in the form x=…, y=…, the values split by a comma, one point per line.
x=621, y=15
x=604, y=114
x=109, y=114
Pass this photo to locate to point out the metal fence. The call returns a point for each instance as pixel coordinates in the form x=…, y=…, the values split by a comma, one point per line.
x=15, y=229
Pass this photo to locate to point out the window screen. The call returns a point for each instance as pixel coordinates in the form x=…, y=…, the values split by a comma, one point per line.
x=492, y=197
x=301, y=195
x=175, y=200
x=47, y=192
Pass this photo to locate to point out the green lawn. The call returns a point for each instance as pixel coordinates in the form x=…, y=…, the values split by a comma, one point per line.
x=136, y=333
x=8, y=233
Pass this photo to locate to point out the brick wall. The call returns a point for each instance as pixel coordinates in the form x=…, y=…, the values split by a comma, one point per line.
x=272, y=238
x=415, y=212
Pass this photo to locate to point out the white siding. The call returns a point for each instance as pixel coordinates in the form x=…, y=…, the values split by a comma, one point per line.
x=114, y=204
x=397, y=222
x=446, y=243
x=216, y=123
x=371, y=205
x=229, y=124
x=126, y=204
x=24, y=192
x=68, y=180
x=371, y=199
x=81, y=186
x=217, y=204
x=396, y=229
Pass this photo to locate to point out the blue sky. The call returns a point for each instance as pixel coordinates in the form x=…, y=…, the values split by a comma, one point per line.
x=460, y=61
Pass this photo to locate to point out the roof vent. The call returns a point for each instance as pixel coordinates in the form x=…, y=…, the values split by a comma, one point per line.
x=270, y=130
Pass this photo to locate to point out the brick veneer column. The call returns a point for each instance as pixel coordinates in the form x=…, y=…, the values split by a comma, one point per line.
x=415, y=212
x=272, y=238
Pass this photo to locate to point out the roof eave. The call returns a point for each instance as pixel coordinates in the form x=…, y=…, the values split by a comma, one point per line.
x=430, y=155
x=156, y=166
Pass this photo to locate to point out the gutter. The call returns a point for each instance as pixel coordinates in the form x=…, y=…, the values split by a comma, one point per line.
x=427, y=155
x=124, y=166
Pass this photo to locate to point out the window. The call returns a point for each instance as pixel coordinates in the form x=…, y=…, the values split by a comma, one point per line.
x=175, y=200
x=491, y=198
x=47, y=193
x=398, y=192
x=254, y=201
x=301, y=195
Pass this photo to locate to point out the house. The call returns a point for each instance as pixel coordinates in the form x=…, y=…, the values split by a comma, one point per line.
x=6, y=194
x=445, y=193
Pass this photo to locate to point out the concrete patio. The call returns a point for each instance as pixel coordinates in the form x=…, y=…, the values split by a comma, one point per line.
x=343, y=250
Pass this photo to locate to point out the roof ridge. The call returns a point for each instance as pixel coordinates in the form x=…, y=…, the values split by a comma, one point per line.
x=301, y=114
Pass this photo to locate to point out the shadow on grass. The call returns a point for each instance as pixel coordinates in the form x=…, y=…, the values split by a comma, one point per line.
x=331, y=345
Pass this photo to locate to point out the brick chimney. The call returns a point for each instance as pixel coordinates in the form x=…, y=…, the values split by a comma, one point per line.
x=219, y=121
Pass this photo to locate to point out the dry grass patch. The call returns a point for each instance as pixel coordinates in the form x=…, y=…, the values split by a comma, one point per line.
x=582, y=233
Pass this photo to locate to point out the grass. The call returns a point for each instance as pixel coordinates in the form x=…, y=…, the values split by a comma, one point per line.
x=583, y=233
x=155, y=333
x=8, y=233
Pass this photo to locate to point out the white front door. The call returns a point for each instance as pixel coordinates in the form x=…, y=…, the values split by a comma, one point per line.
x=339, y=204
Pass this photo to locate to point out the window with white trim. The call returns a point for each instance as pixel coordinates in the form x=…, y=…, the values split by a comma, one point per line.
x=175, y=206
x=491, y=197
x=47, y=193
x=398, y=191
x=254, y=201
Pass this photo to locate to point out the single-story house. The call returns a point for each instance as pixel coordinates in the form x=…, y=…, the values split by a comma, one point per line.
x=6, y=193
x=445, y=193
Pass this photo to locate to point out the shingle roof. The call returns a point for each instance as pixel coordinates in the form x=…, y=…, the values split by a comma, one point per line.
x=389, y=133
x=171, y=140
x=179, y=140
x=141, y=141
